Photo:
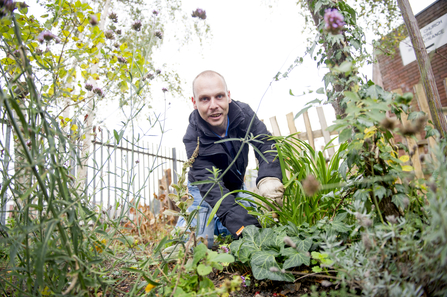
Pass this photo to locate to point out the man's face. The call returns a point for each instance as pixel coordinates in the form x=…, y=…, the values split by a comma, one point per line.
x=212, y=101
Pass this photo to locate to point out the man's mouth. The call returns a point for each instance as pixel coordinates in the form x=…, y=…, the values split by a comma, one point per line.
x=216, y=115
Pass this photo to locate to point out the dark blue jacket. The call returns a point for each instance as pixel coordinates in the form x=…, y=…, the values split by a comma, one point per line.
x=232, y=215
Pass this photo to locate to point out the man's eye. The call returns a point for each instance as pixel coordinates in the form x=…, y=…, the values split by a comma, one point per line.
x=219, y=96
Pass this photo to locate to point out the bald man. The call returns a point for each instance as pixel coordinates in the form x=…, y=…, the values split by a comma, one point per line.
x=217, y=117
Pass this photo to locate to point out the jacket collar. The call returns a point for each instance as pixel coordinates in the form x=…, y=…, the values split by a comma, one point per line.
x=234, y=115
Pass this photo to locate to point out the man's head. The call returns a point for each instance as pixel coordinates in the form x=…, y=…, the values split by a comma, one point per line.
x=212, y=99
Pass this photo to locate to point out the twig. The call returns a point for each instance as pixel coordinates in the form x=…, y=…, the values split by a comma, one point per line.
x=178, y=274
x=340, y=203
x=73, y=281
x=313, y=274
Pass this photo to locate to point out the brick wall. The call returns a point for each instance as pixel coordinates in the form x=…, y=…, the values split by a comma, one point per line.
x=394, y=75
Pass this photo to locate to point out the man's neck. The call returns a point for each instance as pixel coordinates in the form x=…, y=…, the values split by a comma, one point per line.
x=222, y=130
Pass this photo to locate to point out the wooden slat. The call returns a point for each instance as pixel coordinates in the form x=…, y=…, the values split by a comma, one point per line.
x=411, y=143
x=310, y=136
x=326, y=135
x=423, y=105
x=275, y=127
x=291, y=123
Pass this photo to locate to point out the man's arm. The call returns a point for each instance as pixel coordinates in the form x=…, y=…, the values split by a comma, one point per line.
x=232, y=215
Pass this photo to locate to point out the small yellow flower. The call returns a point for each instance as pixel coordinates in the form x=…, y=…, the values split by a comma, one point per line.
x=149, y=287
x=46, y=291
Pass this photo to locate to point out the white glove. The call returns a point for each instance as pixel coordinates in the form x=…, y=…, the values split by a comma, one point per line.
x=271, y=188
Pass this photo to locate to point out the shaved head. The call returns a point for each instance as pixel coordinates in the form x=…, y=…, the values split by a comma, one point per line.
x=207, y=73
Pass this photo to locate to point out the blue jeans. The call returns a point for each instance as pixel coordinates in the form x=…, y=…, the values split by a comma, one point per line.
x=215, y=227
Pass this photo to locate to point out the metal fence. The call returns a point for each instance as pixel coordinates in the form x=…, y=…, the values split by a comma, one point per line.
x=129, y=171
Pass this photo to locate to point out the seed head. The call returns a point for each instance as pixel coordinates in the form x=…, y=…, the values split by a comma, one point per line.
x=155, y=12
x=199, y=13
x=45, y=36
x=274, y=269
x=93, y=20
x=326, y=283
x=98, y=92
x=334, y=21
x=419, y=123
x=391, y=219
x=164, y=90
x=122, y=60
x=118, y=31
x=137, y=25
x=388, y=123
x=88, y=87
x=289, y=242
x=109, y=34
x=310, y=185
x=366, y=241
x=158, y=34
x=114, y=17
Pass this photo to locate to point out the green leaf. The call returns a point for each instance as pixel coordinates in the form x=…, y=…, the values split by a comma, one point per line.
x=261, y=263
x=398, y=199
x=204, y=270
x=338, y=223
x=224, y=258
x=345, y=135
x=301, y=112
x=344, y=67
x=295, y=258
x=320, y=90
x=199, y=253
x=379, y=192
x=352, y=96
x=303, y=245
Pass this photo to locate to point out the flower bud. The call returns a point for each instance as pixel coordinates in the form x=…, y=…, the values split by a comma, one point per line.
x=109, y=34
x=158, y=34
x=118, y=31
x=45, y=36
x=199, y=13
x=155, y=12
x=98, y=92
x=388, y=123
x=157, y=72
x=93, y=20
x=88, y=87
x=114, y=17
x=122, y=60
x=164, y=90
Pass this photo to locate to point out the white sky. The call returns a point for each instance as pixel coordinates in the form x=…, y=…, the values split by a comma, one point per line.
x=251, y=43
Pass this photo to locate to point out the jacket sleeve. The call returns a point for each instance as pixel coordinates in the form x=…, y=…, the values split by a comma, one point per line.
x=272, y=168
x=232, y=215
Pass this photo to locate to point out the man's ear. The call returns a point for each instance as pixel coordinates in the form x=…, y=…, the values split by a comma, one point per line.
x=229, y=97
x=194, y=102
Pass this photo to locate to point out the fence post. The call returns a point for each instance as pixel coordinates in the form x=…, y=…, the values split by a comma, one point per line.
x=4, y=199
x=310, y=136
x=174, y=164
x=326, y=135
x=275, y=126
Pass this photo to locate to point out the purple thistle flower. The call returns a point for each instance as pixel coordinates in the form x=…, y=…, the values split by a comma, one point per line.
x=93, y=20
x=150, y=76
x=155, y=12
x=137, y=25
x=199, y=13
x=38, y=52
x=88, y=87
x=243, y=281
x=225, y=249
x=45, y=36
x=333, y=21
x=114, y=17
x=98, y=92
x=109, y=34
x=8, y=4
x=164, y=90
x=122, y=60
x=159, y=34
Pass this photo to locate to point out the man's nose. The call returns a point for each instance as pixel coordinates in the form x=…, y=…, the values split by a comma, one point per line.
x=213, y=103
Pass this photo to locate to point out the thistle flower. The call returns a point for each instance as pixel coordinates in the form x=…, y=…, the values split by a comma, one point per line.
x=114, y=17
x=243, y=281
x=150, y=76
x=164, y=90
x=155, y=12
x=199, y=13
x=310, y=185
x=136, y=25
x=157, y=72
x=225, y=249
x=122, y=60
x=88, y=87
x=109, y=34
x=98, y=92
x=45, y=36
x=366, y=241
x=158, y=34
x=333, y=21
x=9, y=5
x=391, y=219
x=93, y=20
x=38, y=52
x=118, y=31
x=289, y=242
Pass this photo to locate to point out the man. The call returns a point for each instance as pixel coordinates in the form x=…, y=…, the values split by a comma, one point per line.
x=216, y=117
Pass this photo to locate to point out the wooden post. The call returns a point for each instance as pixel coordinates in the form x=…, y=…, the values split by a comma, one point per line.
x=275, y=127
x=423, y=105
x=291, y=123
x=411, y=143
x=310, y=136
x=425, y=69
x=326, y=135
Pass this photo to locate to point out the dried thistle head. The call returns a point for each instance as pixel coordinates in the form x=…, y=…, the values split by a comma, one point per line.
x=366, y=241
x=289, y=242
x=310, y=185
x=391, y=219
x=388, y=123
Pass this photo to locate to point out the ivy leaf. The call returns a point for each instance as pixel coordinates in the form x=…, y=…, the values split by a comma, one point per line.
x=338, y=223
x=379, y=192
x=345, y=135
x=295, y=258
x=260, y=265
x=246, y=250
x=398, y=199
x=303, y=245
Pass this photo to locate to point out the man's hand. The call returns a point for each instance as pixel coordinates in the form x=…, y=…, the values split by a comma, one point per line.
x=271, y=188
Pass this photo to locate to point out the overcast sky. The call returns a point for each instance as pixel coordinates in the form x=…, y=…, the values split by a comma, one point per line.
x=251, y=42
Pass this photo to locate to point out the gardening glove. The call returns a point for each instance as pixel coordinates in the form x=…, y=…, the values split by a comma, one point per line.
x=271, y=188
